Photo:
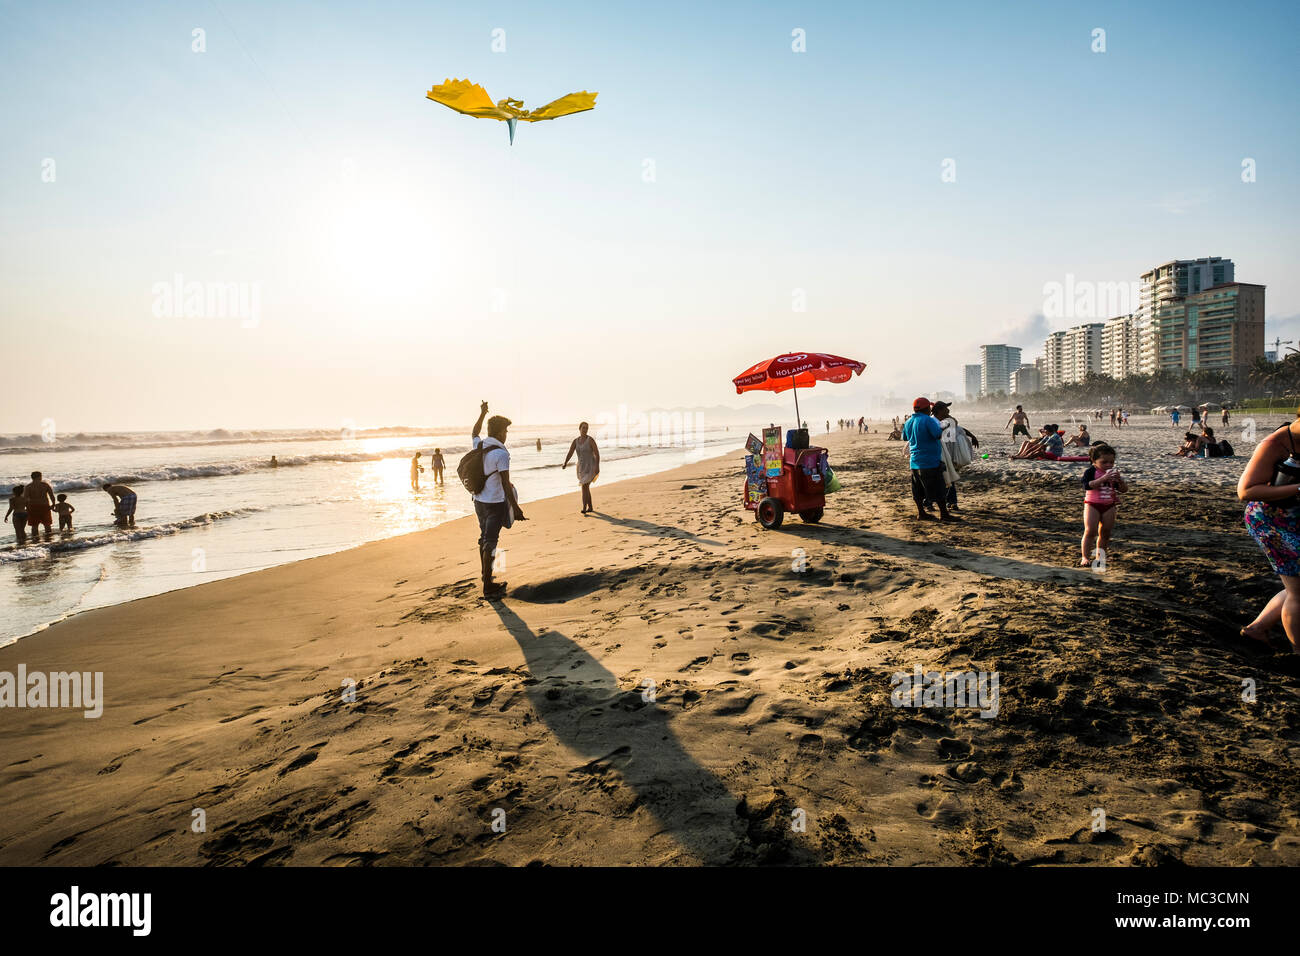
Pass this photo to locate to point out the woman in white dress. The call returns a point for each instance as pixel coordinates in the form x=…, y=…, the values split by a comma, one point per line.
x=584, y=446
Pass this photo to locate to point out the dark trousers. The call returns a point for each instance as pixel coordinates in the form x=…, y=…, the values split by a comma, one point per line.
x=928, y=485
x=491, y=518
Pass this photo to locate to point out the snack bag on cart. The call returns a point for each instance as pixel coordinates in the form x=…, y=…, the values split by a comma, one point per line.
x=755, y=479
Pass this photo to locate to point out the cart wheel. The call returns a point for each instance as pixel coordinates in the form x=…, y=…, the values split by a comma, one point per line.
x=812, y=515
x=769, y=513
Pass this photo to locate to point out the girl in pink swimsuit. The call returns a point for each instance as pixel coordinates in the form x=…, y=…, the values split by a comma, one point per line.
x=1103, y=485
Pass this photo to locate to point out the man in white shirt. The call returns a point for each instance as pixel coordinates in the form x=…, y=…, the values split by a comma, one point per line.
x=497, y=499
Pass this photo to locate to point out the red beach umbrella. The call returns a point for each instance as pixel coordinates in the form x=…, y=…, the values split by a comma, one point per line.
x=794, y=370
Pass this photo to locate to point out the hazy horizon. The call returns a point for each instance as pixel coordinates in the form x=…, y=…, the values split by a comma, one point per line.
x=406, y=261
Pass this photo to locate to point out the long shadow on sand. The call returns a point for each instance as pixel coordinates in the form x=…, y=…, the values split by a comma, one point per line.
x=656, y=530
x=939, y=553
x=615, y=729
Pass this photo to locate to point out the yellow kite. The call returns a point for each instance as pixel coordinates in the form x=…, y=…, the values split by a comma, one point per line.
x=472, y=100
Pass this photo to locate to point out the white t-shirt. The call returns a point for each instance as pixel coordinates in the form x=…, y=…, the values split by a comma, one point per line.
x=495, y=460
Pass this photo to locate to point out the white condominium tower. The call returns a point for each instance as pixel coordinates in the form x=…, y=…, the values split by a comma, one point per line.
x=1121, y=346
x=997, y=362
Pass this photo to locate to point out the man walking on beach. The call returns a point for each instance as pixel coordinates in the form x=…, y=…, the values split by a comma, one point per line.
x=1018, y=416
x=496, y=502
x=923, y=433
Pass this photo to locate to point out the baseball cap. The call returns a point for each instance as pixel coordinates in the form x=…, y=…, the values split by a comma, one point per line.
x=920, y=403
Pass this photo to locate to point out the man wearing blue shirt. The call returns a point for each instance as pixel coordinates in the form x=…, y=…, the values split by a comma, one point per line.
x=922, y=432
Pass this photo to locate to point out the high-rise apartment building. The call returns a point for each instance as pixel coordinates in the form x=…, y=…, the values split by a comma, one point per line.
x=1221, y=327
x=1069, y=355
x=1024, y=380
x=1053, y=360
x=1081, y=352
x=973, y=379
x=1183, y=277
x=997, y=362
x=1121, y=346
x=1178, y=277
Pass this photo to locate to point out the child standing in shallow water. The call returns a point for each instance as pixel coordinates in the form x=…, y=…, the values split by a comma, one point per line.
x=1103, y=485
x=65, y=513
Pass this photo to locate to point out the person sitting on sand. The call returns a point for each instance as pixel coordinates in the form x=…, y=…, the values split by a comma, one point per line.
x=1033, y=447
x=1102, y=487
x=65, y=513
x=40, y=502
x=1273, y=520
x=588, y=464
x=1081, y=440
x=124, y=501
x=439, y=463
x=18, y=508
x=1049, y=445
x=1190, y=446
x=923, y=433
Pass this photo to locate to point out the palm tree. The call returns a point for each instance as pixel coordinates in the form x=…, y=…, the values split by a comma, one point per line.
x=1263, y=374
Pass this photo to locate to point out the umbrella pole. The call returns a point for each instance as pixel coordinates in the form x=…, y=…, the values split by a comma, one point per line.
x=798, y=422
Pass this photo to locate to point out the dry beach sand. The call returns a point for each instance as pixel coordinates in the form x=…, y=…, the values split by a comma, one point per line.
x=1120, y=691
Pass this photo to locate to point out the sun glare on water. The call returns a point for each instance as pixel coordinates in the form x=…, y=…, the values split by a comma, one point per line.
x=385, y=487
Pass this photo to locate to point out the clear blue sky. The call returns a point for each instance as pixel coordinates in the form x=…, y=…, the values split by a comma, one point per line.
x=298, y=153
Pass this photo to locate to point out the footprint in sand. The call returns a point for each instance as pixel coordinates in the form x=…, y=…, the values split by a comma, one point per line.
x=303, y=759
x=950, y=748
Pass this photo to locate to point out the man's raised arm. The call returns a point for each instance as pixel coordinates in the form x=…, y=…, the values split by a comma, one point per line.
x=478, y=425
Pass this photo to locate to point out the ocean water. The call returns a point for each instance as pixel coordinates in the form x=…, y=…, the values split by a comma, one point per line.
x=210, y=505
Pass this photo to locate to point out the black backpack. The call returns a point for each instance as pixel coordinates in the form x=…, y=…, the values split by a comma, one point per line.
x=470, y=469
x=1225, y=450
